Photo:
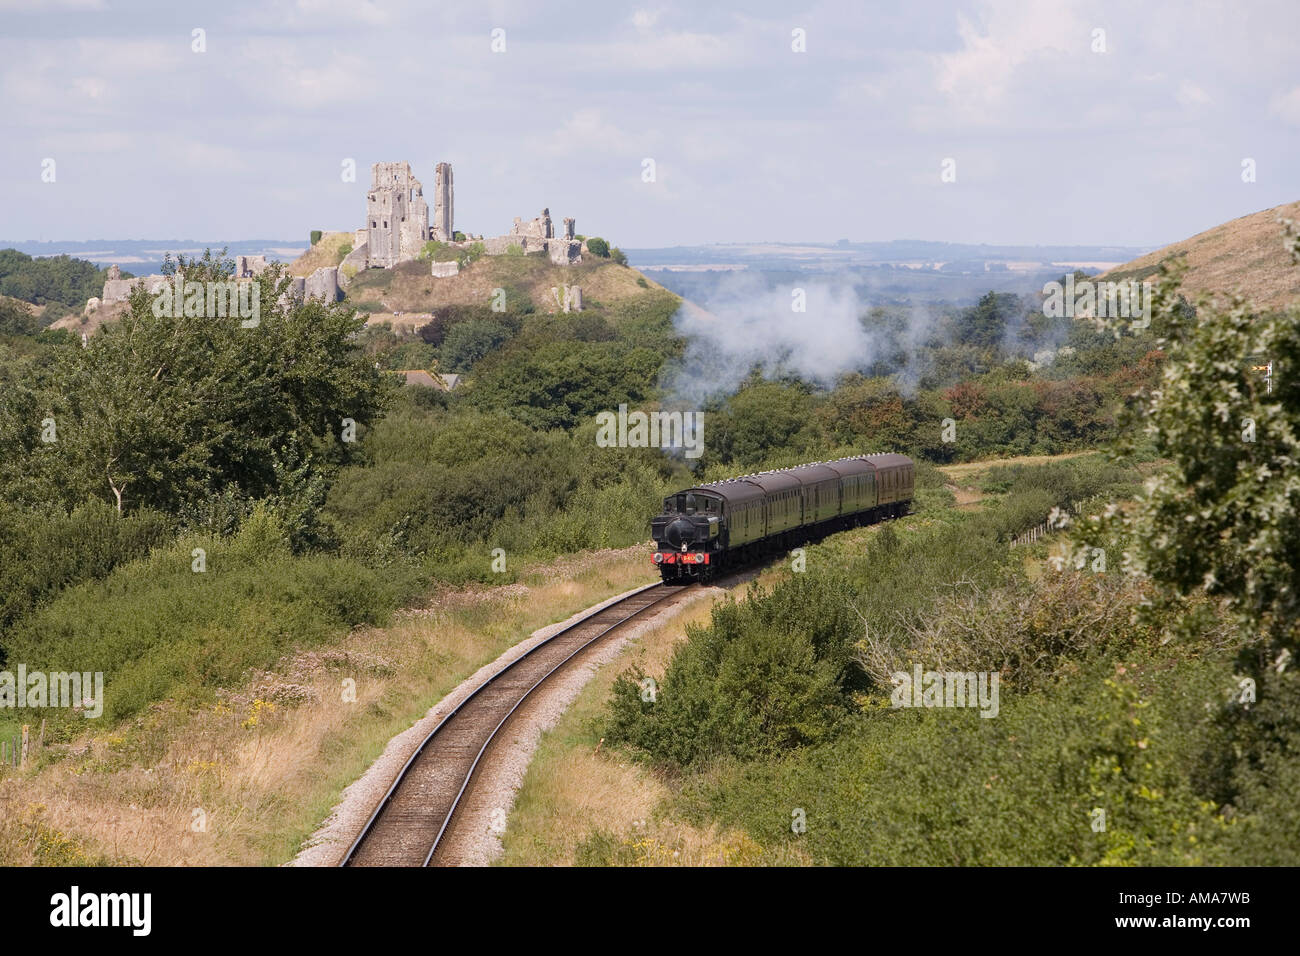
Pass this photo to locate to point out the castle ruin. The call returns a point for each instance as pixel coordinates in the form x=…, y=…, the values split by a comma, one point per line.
x=397, y=215
x=397, y=225
x=444, y=228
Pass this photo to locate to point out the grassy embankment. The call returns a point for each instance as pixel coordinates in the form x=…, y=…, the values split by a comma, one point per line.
x=263, y=762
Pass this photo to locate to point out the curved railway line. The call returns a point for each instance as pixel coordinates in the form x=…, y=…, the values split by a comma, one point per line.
x=413, y=824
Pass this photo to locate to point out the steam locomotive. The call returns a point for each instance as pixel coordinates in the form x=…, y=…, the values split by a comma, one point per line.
x=725, y=524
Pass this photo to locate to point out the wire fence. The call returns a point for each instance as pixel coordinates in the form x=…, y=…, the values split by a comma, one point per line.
x=1049, y=525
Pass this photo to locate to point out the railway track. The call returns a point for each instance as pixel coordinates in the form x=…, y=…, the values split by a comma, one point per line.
x=411, y=825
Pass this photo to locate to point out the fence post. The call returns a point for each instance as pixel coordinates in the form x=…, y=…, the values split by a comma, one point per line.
x=22, y=757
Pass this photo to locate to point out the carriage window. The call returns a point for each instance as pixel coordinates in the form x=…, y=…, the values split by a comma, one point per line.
x=668, y=506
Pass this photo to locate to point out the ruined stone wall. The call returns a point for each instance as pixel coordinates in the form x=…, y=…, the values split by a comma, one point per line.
x=539, y=228
x=249, y=266
x=358, y=258
x=444, y=221
x=119, y=290
x=498, y=245
x=323, y=284
x=564, y=252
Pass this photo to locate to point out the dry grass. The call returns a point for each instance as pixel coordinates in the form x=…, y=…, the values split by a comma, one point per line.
x=327, y=252
x=970, y=471
x=574, y=787
x=409, y=288
x=105, y=313
x=267, y=762
x=1245, y=255
x=964, y=478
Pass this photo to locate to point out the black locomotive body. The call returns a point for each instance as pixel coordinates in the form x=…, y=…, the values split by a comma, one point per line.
x=709, y=528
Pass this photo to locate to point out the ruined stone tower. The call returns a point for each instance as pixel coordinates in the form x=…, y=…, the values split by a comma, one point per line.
x=397, y=217
x=444, y=222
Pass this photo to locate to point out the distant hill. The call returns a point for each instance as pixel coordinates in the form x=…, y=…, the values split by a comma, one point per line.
x=410, y=289
x=145, y=256
x=901, y=271
x=1245, y=255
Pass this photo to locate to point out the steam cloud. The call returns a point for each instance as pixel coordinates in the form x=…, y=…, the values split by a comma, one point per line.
x=744, y=323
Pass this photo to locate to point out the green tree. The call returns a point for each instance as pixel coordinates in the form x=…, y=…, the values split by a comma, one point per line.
x=1223, y=517
x=165, y=410
x=467, y=342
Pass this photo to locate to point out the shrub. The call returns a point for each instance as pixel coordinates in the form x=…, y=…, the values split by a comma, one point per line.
x=315, y=236
x=45, y=551
x=598, y=247
x=157, y=629
x=936, y=787
x=467, y=342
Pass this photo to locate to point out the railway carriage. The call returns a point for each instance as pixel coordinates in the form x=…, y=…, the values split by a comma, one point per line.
x=708, y=528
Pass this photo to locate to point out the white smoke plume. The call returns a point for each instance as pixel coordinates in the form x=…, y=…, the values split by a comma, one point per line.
x=743, y=322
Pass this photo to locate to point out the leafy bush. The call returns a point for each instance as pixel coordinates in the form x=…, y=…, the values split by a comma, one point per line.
x=157, y=629
x=16, y=320
x=935, y=787
x=45, y=551
x=598, y=247
x=49, y=279
x=467, y=342
x=761, y=679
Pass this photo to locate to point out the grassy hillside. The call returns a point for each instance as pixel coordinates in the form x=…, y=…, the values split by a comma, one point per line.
x=327, y=252
x=410, y=288
x=1246, y=255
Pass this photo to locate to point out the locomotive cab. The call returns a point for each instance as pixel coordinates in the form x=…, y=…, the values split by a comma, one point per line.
x=688, y=534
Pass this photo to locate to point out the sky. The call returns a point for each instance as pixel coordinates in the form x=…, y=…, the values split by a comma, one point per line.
x=772, y=122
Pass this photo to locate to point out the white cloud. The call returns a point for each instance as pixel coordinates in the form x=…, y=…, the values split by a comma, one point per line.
x=1011, y=34
x=588, y=132
x=1191, y=95
x=1286, y=106
x=645, y=19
